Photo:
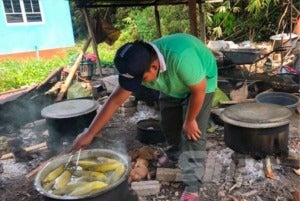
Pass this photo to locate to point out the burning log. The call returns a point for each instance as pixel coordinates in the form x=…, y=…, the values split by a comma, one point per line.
x=269, y=171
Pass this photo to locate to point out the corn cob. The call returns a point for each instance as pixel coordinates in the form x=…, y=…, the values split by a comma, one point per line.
x=109, y=166
x=54, y=174
x=47, y=186
x=90, y=174
x=86, y=164
x=88, y=188
x=68, y=188
x=120, y=170
x=63, y=179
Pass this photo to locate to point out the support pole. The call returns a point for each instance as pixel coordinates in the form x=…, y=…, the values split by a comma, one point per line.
x=91, y=34
x=202, y=22
x=157, y=20
x=193, y=17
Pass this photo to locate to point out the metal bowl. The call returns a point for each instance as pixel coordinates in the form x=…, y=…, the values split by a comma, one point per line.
x=116, y=189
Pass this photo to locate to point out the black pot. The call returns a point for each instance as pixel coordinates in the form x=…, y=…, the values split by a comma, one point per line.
x=119, y=191
x=149, y=131
x=257, y=129
x=66, y=119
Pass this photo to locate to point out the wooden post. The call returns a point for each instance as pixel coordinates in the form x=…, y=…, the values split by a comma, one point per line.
x=157, y=20
x=69, y=79
x=193, y=17
x=91, y=34
x=202, y=23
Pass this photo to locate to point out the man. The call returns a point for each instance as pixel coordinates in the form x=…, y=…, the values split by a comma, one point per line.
x=184, y=70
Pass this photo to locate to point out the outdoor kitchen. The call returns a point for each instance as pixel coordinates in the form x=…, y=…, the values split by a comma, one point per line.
x=261, y=164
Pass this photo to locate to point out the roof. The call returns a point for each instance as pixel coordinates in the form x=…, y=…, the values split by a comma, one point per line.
x=127, y=3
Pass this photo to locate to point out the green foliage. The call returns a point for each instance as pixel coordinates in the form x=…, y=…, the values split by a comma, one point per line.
x=15, y=74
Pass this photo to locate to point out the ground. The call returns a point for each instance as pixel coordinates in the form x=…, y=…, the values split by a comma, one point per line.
x=226, y=179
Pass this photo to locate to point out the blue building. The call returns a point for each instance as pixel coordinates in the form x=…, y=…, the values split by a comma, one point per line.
x=35, y=28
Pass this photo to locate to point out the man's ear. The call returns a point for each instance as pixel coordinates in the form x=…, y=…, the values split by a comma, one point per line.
x=155, y=65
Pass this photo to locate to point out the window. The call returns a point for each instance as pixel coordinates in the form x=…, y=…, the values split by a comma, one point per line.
x=22, y=11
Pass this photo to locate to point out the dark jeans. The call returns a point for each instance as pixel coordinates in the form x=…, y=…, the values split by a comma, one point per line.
x=191, y=155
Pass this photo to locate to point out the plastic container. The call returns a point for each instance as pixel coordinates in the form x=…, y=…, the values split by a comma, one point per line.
x=279, y=98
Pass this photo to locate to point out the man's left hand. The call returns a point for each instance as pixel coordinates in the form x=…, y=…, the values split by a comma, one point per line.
x=191, y=130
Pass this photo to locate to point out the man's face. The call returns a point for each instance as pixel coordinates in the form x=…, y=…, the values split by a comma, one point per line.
x=152, y=73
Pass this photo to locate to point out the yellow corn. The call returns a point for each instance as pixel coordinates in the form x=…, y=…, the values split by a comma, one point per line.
x=108, y=166
x=54, y=174
x=88, y=188
x=120, y=170
x=47, y=186
x=63, y=179
x=68, y=188
x=87, y=163
x=90, y=174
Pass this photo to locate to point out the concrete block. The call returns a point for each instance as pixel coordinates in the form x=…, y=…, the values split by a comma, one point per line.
x=168, y=174
x=145, y=188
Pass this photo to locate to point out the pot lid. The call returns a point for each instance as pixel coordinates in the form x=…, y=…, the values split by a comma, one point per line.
x=256, y=115
x=69, y=108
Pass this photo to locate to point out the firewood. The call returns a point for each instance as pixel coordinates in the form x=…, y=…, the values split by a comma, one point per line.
x=32, y=148
x=296, y=195
x=269, y=171
x=72, y=72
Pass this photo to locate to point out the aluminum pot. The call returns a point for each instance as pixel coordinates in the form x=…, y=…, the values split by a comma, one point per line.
x=118, y=191
x=257, y=129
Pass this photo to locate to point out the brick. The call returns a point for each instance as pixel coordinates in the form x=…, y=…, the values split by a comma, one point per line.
x=168, y=174
x=210, y=166
x=145, y=188
x=127, y=111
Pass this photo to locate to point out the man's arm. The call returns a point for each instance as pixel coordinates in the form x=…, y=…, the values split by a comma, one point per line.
x=114, y=101
x=196, y=99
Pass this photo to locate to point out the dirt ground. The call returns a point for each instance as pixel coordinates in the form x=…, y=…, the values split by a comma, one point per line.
x=246, y=181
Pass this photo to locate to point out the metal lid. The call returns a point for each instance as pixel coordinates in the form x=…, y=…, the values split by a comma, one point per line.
x=69, y=108
x=256, y=115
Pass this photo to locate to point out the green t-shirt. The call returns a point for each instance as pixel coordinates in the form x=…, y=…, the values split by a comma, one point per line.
x=188, y=61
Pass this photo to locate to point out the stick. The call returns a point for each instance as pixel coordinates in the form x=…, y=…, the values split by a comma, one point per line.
x=235, y=102
x=72, y=72
x=33, y=148
x=33, y=172
x=50, y=76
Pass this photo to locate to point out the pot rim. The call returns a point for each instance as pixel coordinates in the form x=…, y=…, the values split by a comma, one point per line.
x=84, y=154
x=69, y=108
x=233, y=115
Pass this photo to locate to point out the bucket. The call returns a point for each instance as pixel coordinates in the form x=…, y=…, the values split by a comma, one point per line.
x=279, y=98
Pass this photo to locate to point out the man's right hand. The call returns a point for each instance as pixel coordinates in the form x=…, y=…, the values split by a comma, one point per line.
x=83, y=140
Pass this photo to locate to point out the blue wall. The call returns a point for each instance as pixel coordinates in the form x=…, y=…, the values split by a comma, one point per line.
x=54, y=32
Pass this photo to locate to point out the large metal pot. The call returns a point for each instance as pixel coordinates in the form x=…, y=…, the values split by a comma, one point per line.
x=66, y=119
x=256, y=129
x=117, y=191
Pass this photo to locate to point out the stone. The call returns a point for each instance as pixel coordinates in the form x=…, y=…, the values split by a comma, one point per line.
x=168, y=174
x=146, y=188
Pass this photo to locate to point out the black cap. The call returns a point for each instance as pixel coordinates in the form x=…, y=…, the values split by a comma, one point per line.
x=132, y=61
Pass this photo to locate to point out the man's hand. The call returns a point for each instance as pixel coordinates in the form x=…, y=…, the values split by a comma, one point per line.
x=191, y=130
x=82, y=141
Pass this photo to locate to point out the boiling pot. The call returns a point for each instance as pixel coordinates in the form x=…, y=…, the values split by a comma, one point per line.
x=257, y=129
x=117, y=191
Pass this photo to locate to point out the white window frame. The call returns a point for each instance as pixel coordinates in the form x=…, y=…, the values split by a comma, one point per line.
x=24, y=13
